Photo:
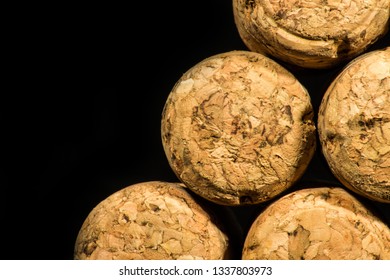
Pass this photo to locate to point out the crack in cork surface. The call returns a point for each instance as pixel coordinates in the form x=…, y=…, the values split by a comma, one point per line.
x=315, y=33
x=237, y=128
x=354, y=125
x=317, y=223
x=151, y=220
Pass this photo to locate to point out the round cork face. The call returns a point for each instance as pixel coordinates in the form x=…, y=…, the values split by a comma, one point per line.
x=313, y=34
x=151, y=221
x=237, y=128
x=354, y=125
x=317, y=223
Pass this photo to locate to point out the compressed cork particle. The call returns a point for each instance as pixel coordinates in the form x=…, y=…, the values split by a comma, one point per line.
x=151, y=221
x=354, y=125
x=311, y=33
x=324, y=223
x=237, y=128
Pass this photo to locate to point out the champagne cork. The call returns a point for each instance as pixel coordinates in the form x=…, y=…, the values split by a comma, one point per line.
x=311, y=34
x=324, y=223
x=151, y=221
x=237, y=128
x=354, y=125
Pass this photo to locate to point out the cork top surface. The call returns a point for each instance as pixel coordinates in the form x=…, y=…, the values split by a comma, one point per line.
x=313, y=34
x=237, y=128
x=324, y=19
x=150, y=220
x=354, y=125
x=324, y=223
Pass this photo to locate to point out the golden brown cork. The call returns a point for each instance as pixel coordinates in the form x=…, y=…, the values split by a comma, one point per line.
x=322, y=223
x=151, y=221
x=237, y=128
x=314, y=33
x=354, y=125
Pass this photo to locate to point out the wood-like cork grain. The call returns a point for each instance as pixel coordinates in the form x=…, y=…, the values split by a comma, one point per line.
x=311, y=33
x=237, y=128
x=151, y=221
x=354, y=125
x=317, y=223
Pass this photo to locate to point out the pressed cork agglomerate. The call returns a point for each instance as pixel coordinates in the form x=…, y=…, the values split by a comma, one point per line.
x=237, y=128
x=354, y=125
x=317, y=223
x=313, y=34
x=151, y=220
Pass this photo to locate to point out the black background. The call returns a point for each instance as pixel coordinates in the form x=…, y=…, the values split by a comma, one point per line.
x=81, y=107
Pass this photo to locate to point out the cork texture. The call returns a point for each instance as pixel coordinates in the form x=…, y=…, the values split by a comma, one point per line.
x=237, y=128
x=312, y=33
x=151, y=221
x=354, y=125
x=317, y=223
